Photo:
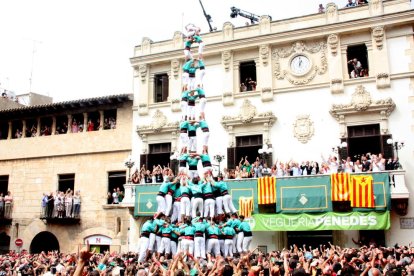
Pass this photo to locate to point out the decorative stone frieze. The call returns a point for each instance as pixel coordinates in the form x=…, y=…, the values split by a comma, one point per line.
x=333, y=43
x=383, y=80
x=175, y=68
x=378, y=37
x=175, y=105
x=143, y=109
x=228, y=28
x=228, y=99
x=337, y=86
x=178, y=40
x=303, y=128
x=266, y=94
x=363, y=107
x=226, y=59
x=264, y=54
x=331, y=13
x=249, y=118
x=142, y=71
x=300, y=48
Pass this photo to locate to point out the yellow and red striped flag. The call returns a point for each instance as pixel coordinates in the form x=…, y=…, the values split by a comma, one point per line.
x=340, y=186
x=362, y=191
x=245, y=206
x=266, y=189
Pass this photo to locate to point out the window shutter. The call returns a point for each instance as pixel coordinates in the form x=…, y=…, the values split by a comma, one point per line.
x=386, y=148
x=231, y=158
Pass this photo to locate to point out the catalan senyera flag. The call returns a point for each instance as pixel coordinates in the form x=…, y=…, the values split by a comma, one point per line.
x=266, y=189
x=362, y=191
x=246, y=206
x=340, y=186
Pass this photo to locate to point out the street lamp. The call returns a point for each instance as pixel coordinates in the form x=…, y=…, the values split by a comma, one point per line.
x=396, y=145
x=129, y=163
x=265, y=152
x=219, y=157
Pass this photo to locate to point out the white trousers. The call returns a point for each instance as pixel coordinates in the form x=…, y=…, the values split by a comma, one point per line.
x=221, y=243
x=191, y=83
x=168, y=204
x=199, y=76
x=191, y=111
x=228, y=248
x=187, y=245
x=246, y=243
x=184, y=105
x=161, y=204
x=206, y=136
x=192, y=144
x=176, y=211
x=213, y=247
x=165, y=246
x=173, y=248
x=228, y=204
x=184, y=139
x=209, y=206
x=185, y=206
x=239, y=245
x=196, y=206
x=203, y=102
x=192, y=173
x=199, y=247
x=143, y=247
x=151, y=242
x=187, y=54
x=219, y=205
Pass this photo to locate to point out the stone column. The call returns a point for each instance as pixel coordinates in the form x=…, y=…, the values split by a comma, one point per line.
x=24, y=128
x=69, y=123
x=101, y=120
x=53, y=125
x=39, y=125
x=335, y=64
x=344, y=62
x=10, y=132
x=85, y=121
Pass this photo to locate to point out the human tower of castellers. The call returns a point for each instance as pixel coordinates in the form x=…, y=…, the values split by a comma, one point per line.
x=194, y=215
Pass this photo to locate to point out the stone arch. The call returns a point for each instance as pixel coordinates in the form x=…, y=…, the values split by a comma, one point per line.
x=44, y=241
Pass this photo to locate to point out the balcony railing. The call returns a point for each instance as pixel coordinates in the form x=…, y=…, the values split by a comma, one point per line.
x=6, y=214
x=397, y=188
x=61, y=213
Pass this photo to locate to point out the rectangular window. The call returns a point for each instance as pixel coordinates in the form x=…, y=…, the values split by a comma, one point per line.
x=17, y=127
x=66, y=181
x=161, y=88
x=31, y=127
x=4, y=184
x=46, y=126
x=251, y=140
x=159, y=154
x=357, y=56
x=61, y=124
x=248, y=78
x=77, y=123
x=116, y=181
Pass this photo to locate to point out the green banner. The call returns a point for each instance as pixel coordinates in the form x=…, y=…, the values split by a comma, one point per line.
x=303, y=194
x=145, y=200
x=325, y=221
x=243, y=188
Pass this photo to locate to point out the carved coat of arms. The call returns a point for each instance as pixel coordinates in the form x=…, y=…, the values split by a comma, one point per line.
x=303, y=128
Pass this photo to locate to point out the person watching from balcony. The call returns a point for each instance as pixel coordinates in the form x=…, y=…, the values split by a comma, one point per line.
x=350, y=4
x=321, y=8
x=157, y=174
x=76, y=204
x=18, y=134
x=357, y=67
x=243, y=87
x=147, y=177
x=8, y=203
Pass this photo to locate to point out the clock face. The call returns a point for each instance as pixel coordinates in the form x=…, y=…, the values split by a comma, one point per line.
x=300, y=65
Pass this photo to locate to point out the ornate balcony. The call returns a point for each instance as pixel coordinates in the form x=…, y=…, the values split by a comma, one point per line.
x=61, y=214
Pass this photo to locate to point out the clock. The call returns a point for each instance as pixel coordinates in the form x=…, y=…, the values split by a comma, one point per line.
x=300, y=65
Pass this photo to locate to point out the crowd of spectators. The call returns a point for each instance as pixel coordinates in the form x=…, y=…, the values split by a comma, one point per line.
x=158, y=174
x=367, y=163
x=355, y=3
x=6, y=205
x=115, y=197
x=298, y=260
x=245, y=169
x=61, y=204
x=248, y=85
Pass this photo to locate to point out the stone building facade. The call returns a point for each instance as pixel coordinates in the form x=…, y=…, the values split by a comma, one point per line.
x=305, y=103
x=86, y=161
